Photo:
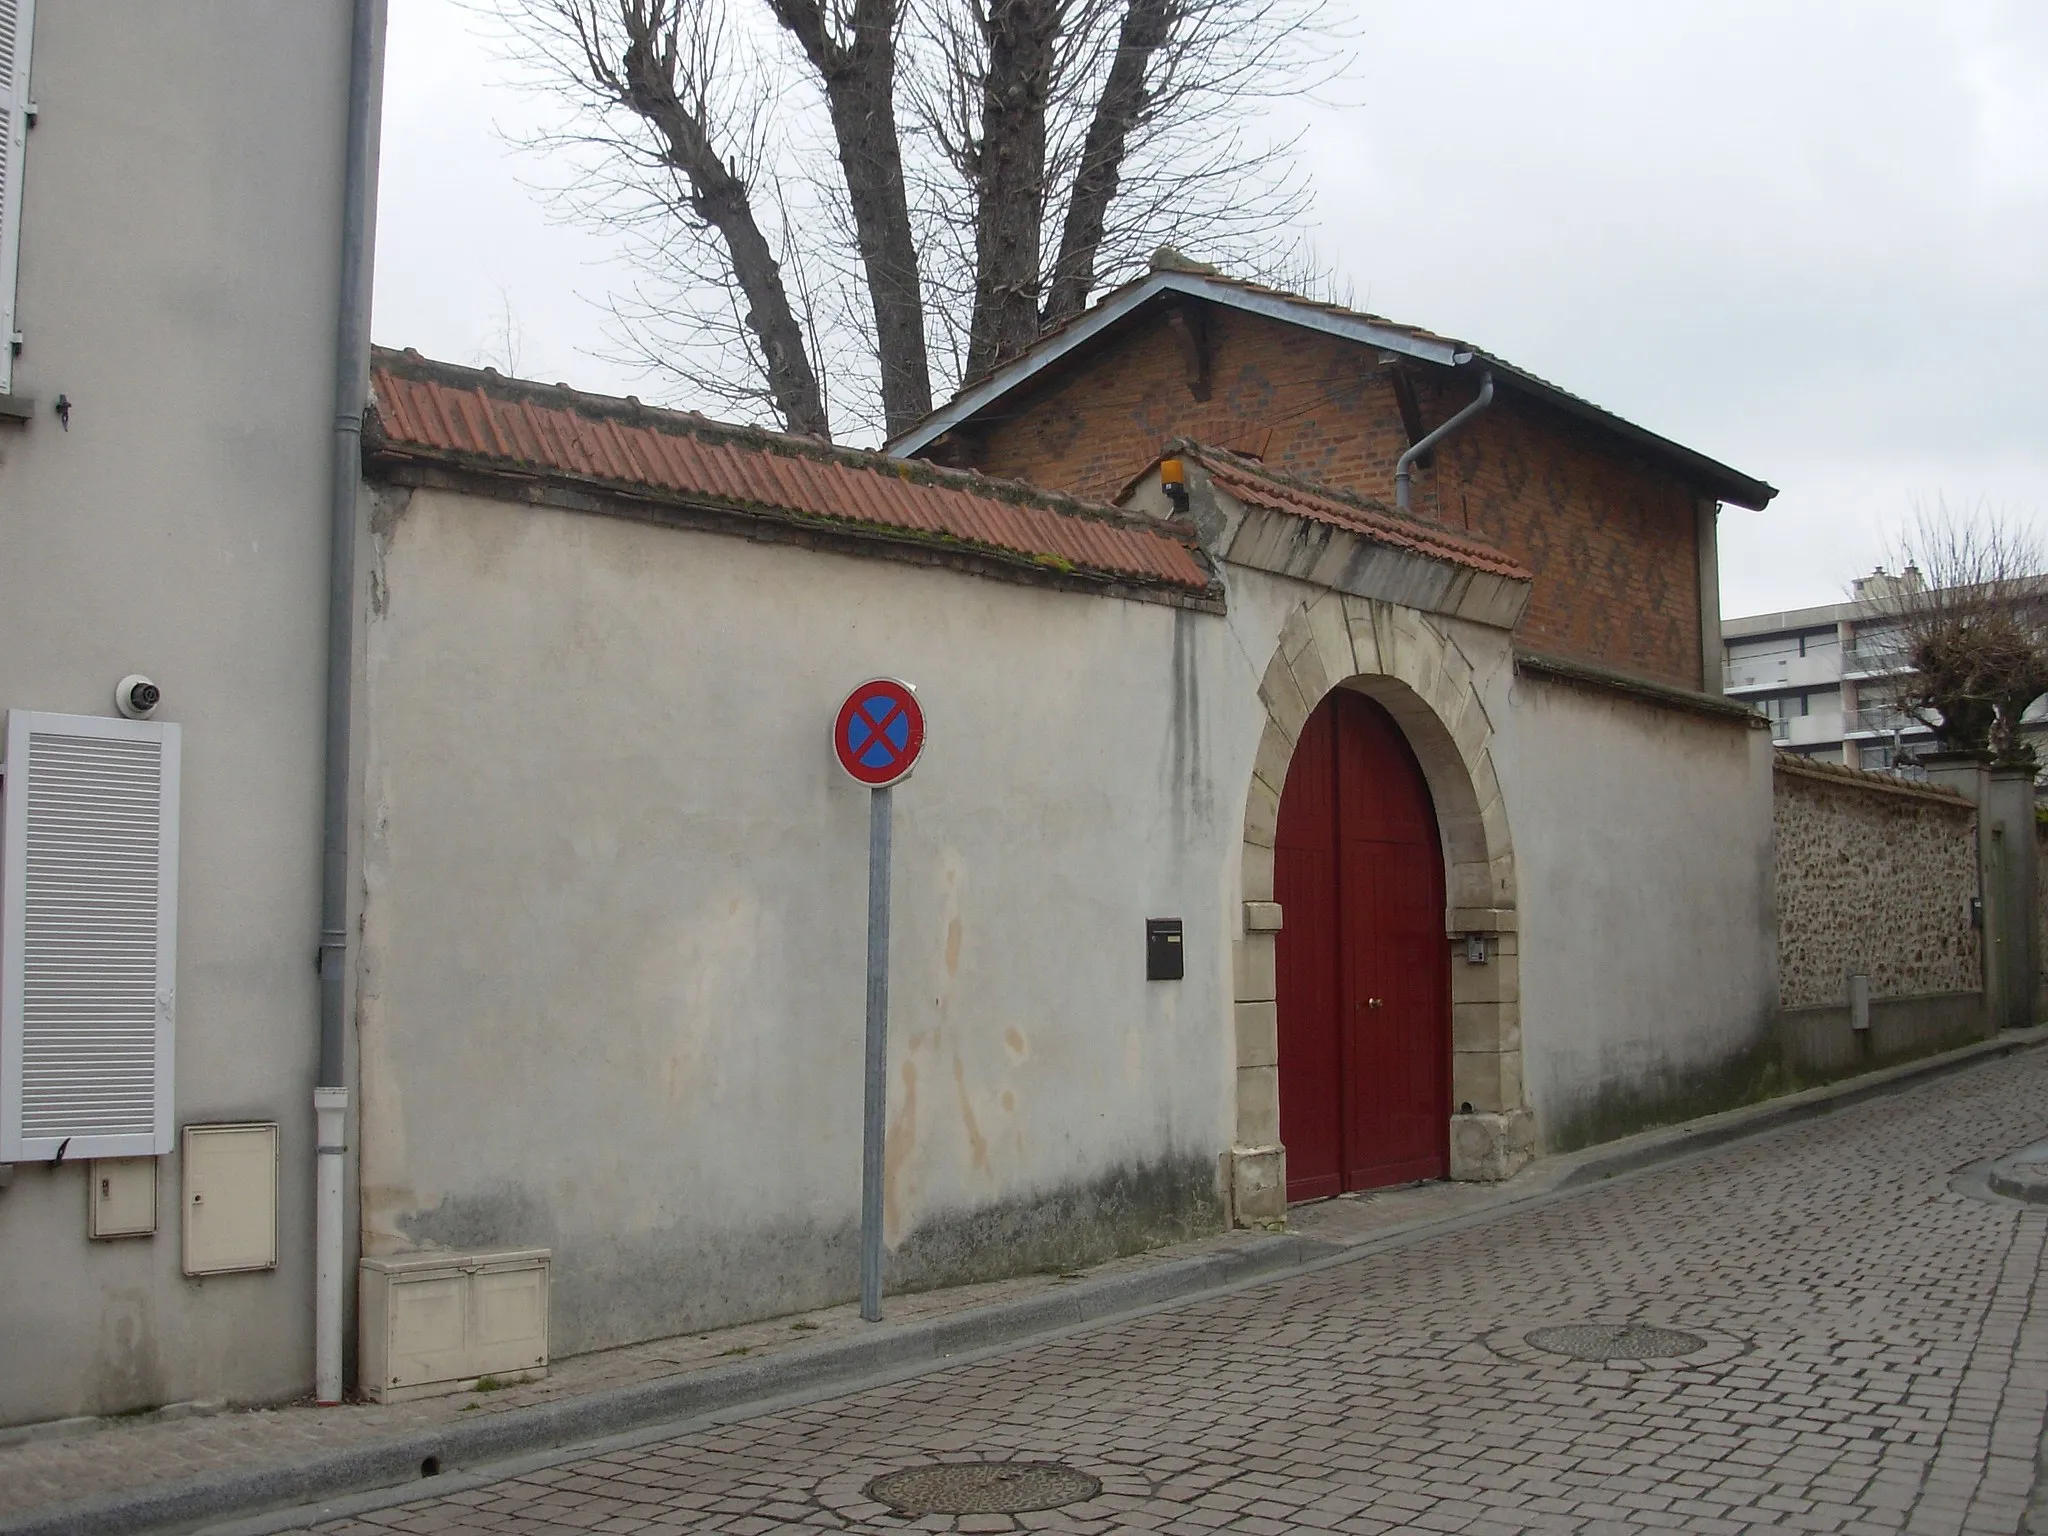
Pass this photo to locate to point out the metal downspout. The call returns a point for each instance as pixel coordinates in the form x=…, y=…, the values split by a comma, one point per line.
x=1403, y=466
x=351, y=393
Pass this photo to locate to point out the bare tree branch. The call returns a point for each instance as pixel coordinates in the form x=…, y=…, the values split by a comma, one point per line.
x=1008, y=168
x=1119, y=110
x=949, y=177
x=662, y=69
x=856, y=62
x=1968, y=612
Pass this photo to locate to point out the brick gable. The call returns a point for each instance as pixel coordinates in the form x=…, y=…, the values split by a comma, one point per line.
x=1612, y=541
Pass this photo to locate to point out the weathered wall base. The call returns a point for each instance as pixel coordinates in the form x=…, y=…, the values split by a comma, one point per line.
x=1638, y=1098
x=609, y=1289
x=1818, y=1042
x=1127, y=1211
x=1807, y=1046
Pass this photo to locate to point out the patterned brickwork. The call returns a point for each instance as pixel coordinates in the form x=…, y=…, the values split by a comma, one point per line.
x=1613, y=543
x=1872, y=876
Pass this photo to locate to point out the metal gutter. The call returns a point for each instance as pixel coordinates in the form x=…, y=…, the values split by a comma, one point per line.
x=351, y=394
x=1404, y=466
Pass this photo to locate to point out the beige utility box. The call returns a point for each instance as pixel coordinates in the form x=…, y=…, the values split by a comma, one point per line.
x=436, y=1322
x=230, y=1198
x=122, y=1200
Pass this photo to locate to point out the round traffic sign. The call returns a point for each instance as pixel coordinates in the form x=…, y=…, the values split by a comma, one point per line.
x=879, y=732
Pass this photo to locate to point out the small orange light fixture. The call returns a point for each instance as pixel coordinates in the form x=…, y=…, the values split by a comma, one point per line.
x=1172, y=472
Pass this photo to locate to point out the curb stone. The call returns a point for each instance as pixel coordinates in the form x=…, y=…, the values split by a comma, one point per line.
x=404, y=1460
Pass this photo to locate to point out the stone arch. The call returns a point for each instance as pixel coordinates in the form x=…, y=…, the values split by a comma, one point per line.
x=1407, y=662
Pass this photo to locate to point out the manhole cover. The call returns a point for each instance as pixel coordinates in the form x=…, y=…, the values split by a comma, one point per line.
x=982, y=1488
x=1601, y=1341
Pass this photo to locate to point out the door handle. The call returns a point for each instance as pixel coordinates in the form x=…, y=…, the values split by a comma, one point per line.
x=1375, y=1002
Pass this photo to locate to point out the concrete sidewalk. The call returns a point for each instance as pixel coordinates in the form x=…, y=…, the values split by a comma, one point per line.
x=175, y=1470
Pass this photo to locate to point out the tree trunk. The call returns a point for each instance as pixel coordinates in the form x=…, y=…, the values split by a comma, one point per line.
x=721, y=199
x=860, y=91
x=1009, y=175
x=1147, y=25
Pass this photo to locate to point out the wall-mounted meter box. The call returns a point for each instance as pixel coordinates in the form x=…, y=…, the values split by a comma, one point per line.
x=230, y=1198
x=121, y=1198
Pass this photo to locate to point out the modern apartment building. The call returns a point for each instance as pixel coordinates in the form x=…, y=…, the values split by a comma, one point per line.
x=1828, y=678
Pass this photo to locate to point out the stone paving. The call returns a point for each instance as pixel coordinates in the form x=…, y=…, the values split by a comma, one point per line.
x=75, y=1460
x=1873, y=1358
x=45, y=1466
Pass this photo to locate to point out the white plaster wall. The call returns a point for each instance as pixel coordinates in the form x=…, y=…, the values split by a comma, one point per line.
x=614, y=919
x=178, y=272
x=1642, y=842
x=611, y=997
x=1648, y=935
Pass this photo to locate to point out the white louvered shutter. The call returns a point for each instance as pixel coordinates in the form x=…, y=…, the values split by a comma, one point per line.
x=88, y=936
x=17, y=20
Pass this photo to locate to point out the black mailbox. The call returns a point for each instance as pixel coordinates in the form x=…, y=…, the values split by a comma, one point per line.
x=1163, y=958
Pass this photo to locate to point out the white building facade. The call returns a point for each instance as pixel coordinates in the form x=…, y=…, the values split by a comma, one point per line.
x=171, y=257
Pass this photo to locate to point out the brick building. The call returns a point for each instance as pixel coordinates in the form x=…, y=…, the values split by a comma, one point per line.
x=1615, y=522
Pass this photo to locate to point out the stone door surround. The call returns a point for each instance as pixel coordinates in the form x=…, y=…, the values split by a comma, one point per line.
x=1412, y=666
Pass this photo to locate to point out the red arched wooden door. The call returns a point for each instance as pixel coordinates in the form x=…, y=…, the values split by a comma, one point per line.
x=1364, y=967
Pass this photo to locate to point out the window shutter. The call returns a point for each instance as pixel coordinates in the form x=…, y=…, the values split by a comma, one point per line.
x=88, y=936
x=17, y=18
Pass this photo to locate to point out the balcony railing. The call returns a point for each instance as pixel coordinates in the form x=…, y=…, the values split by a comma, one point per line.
x=1885, y=718
x=1874, y=656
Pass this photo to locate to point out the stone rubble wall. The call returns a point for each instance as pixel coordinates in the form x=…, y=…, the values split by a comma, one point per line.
x=1874, y=874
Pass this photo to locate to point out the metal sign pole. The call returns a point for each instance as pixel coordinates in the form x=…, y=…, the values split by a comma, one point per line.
x=877, y=737
x=875, y=1098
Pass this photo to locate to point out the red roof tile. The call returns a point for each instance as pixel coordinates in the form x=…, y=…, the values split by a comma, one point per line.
x=1256, y=486
x=425, y=409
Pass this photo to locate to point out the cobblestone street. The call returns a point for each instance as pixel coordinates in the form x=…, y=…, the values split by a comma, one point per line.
x=1870, y=1356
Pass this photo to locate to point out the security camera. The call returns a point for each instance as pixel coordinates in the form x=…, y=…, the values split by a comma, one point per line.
x=136, y=696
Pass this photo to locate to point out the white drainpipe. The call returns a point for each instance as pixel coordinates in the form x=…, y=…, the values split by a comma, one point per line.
x=351, y=393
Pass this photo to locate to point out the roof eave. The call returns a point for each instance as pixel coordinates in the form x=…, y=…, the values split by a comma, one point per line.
x=969, y=402
x=1726, y=484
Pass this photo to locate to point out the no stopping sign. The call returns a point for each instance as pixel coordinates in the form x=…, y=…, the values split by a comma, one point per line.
x=879, y=732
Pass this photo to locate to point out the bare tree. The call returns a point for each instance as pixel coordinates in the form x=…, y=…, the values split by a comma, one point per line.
x=504, y=345
x=1969, y=615
x=876, y=199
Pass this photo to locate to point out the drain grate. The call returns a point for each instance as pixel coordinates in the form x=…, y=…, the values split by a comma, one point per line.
x=1628, y=1341
x=982, y=1488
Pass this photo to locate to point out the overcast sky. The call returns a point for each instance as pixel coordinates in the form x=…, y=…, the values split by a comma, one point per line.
x=1807, y=238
